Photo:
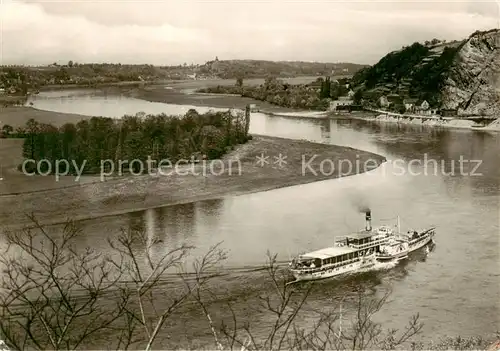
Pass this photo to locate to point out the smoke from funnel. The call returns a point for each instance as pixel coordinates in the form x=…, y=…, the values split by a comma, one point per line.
x=364, y=209
x=360, y=203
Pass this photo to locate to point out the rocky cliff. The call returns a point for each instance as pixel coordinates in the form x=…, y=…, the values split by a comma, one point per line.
x=461, y=75
x=473, y=82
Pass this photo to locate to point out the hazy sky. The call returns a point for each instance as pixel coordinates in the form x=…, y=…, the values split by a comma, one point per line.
x=178, y=31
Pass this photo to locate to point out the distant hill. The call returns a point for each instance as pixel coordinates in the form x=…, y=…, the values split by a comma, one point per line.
x=259, y=68
x=462, y=75
x=24, y=78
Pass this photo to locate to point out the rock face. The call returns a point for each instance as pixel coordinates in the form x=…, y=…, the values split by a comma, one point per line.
x=473, y=83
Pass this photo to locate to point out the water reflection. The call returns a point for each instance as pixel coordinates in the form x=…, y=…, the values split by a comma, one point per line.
x=174, y=226
x=325, y=126
x=100, y=103
x=209, y=213
x=302, y=128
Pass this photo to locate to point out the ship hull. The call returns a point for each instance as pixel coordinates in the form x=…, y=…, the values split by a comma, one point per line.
x=399, y=256
x=418, y=243
x=413, y=245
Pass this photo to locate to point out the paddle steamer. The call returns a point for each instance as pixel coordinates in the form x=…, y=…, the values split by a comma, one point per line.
x=359, y=252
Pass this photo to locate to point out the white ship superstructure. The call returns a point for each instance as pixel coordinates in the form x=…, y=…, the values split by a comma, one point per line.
x=358, y=252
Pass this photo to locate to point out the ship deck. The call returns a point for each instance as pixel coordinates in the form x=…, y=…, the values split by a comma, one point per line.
x=361, y=235
x=329, y=252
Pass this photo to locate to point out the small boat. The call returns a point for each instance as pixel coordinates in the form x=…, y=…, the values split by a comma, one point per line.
x=358, y=252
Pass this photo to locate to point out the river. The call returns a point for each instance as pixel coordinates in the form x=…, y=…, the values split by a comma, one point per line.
x=455, y=288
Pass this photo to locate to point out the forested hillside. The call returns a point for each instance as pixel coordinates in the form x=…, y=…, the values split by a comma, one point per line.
x=415, y=71
x=260, y=69
x=461, y=76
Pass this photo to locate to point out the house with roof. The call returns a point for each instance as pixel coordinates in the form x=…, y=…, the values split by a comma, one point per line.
x=390, y=100
x=253, y=108
x=383, y=101
x=340, y=103
x=448, y=112
x=410, y=104
x=394, y=99
x=422, y=107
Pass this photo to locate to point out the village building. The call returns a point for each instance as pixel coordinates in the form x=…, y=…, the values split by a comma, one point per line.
x=338, y=104
x=394, y=99
x=253, y=108
x=390, y=100
x=383, y=102
x=424, y=105
x=424, y=108
x=448, y=112
x=410, y=105
x=350, y=108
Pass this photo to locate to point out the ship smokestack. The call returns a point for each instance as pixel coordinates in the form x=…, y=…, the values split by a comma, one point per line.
x=368, y=218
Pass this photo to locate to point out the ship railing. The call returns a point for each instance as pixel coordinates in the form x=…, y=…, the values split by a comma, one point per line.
x=370, y=244
x=326, y=266
x=342, y=263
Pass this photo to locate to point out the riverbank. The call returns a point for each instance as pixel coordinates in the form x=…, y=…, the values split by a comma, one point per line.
x=239, y=173
x=12, y=100
x=184, y=93
x=56, y=87
x=445, y=122
x=183, y=96
x=17, y=116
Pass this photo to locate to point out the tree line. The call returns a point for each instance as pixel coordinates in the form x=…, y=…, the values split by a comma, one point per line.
x=232, y=69
x=24, y=78
x=138, y=137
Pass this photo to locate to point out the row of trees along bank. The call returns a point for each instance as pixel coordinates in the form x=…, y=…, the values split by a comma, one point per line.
x=313, y=96
x=208, y=135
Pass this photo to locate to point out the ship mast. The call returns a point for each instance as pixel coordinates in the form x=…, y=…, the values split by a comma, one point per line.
x=399, y=226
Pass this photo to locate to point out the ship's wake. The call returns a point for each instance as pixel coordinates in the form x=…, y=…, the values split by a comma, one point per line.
x=381, y=266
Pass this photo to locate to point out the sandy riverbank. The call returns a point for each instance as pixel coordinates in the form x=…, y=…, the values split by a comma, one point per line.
x=160, y=94
x=229, y=178
x=455, y=123
x=54, y=201
x=17, y=116
x=182, y=93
